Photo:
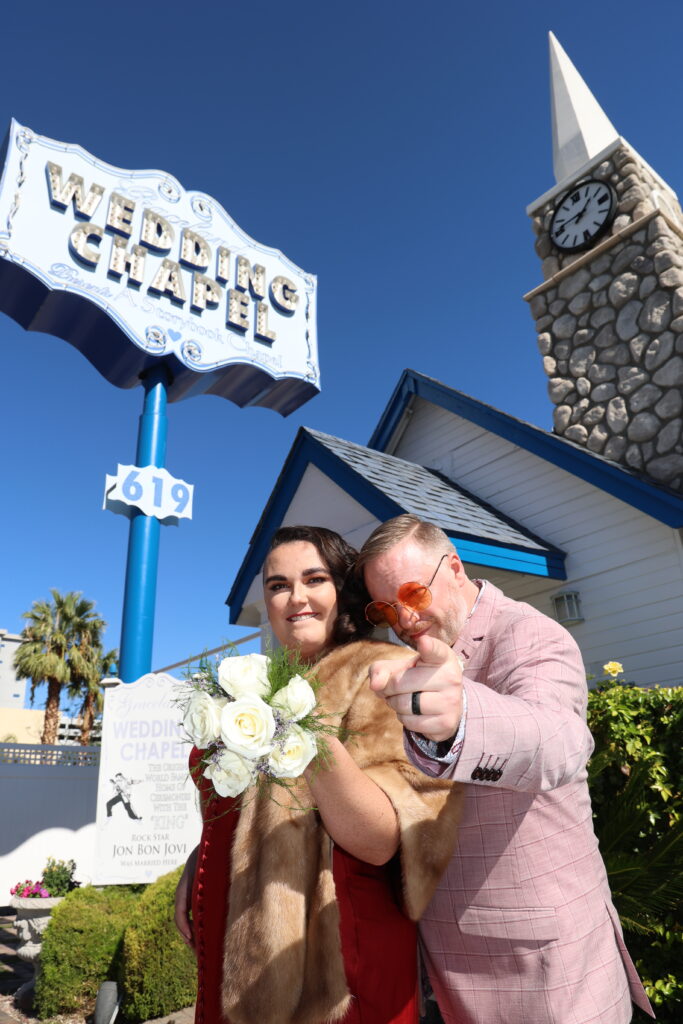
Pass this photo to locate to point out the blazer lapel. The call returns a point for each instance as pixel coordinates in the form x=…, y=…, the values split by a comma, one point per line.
x=478, y=625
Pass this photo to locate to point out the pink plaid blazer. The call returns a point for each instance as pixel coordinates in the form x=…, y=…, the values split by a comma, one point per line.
x=521, y=929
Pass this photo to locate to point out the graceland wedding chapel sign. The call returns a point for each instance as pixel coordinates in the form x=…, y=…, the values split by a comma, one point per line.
x=130, y=268
x=147, y=805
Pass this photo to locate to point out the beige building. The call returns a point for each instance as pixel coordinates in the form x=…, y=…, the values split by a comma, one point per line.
x=21, y=725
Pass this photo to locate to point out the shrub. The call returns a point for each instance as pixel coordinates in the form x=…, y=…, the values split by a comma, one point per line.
x=81, y=947
x=636, y=781
x=158, y=972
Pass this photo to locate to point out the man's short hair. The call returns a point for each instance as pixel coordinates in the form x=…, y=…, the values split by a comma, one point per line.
x=395, y=530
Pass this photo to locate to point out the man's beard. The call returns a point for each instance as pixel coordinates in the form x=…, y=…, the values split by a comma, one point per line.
x=447, y=629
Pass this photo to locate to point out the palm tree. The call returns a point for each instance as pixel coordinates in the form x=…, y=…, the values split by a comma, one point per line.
x=57, y=645
x=90, y=667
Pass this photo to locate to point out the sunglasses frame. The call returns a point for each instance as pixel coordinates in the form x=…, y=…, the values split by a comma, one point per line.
x=387, y=623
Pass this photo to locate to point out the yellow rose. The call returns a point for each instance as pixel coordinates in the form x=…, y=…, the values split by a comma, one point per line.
x=613, y=669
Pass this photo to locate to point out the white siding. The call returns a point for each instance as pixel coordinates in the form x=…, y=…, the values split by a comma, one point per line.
x=321, y=502
x=627, y=567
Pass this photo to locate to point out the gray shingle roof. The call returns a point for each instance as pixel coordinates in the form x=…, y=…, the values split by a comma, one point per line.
x=431, y=496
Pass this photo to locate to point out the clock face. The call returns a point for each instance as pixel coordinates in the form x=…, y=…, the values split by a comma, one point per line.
x=582, y=215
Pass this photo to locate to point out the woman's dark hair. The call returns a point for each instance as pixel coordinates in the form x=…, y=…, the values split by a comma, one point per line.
x=339, y=557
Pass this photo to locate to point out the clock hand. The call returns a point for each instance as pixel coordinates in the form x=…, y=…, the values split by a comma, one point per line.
x=586, y=205
x=581, y=212
x=569, y=220
x=576, y=216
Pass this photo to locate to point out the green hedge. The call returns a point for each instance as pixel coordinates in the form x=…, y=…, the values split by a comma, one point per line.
x=158, y=972
x=119, y=933
x=636, y=781
x=82, y=947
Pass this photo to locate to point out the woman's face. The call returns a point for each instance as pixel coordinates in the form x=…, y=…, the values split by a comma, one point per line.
x=301, y=599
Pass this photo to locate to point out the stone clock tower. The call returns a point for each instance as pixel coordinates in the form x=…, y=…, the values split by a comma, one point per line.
x=609, y=313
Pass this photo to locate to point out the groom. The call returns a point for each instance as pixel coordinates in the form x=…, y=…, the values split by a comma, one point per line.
x=522, y=929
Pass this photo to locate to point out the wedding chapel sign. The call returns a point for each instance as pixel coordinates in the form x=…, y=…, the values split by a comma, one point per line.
x=131, y=269
x=147, y=812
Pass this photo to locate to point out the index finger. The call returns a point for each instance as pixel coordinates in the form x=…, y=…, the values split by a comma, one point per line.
x=433, y=651
x=387, y=673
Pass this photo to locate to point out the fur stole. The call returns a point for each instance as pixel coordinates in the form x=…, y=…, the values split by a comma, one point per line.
x=282, y=953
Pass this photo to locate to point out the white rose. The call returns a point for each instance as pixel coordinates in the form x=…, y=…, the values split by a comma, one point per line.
x=247, y=727
x=296, y=699
x=298, y=750
x=202, y=718
x=230, y=774
x=245, y=676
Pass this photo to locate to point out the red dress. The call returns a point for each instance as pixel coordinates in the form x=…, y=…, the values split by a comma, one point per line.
x=379, y=944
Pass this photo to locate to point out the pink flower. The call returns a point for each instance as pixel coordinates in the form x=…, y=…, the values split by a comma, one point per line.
x=28, y=889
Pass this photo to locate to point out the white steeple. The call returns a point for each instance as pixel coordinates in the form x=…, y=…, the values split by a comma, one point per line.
x=581, y=129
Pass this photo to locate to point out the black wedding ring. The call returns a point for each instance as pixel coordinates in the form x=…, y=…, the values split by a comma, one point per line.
x=415, y=702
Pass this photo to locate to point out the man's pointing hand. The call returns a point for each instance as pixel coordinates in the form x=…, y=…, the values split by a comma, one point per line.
x=435, y=673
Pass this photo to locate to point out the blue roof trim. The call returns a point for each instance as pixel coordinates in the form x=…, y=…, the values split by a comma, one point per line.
x=609, y=477
x=307, y=450
x=396, y=406
x=508, y=558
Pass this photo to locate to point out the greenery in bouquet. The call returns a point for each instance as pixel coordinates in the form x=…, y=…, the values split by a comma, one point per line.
x=254, y=718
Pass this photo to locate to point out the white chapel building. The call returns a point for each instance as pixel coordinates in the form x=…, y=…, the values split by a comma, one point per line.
x=585, y=522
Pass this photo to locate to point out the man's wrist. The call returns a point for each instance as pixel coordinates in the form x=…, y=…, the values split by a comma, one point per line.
x=444, y=750
x=434, y=748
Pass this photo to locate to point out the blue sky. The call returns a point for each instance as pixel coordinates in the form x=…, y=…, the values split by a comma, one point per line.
x=389, y=149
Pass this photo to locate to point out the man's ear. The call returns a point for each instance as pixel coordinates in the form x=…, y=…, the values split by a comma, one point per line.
x=457, y=568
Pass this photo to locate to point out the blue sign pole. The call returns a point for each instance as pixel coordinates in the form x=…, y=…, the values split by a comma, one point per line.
x=137, y=626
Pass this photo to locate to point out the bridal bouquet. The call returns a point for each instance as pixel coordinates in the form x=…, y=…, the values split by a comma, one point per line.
x=253, y=717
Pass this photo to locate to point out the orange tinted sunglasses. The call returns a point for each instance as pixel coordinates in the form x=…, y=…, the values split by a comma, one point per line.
x=414, y=596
